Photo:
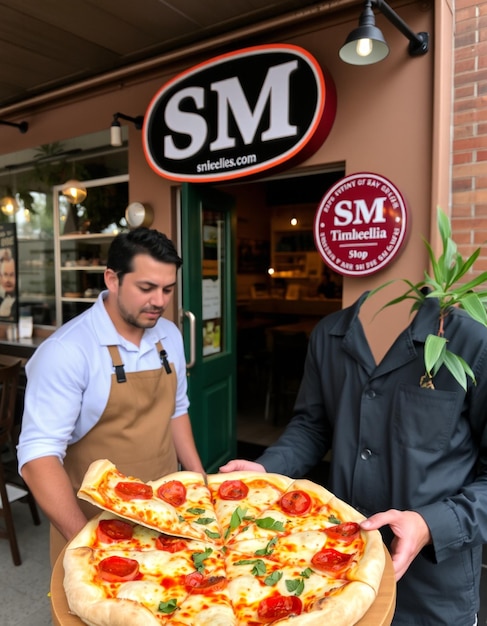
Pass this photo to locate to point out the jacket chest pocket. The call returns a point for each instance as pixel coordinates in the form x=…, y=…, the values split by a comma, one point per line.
x=424, y=418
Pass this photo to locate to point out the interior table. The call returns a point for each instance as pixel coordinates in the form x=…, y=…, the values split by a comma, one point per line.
x=379, y=614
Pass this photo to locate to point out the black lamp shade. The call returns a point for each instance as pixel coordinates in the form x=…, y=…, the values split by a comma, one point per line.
x=379, y=49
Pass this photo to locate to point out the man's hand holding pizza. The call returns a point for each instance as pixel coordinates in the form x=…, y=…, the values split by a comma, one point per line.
x=411, y=534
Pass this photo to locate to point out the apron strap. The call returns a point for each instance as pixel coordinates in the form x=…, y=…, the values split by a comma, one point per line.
x=117, y=364
x=163, y=357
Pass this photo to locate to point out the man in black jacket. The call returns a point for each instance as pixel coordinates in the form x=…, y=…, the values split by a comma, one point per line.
x=413, y=460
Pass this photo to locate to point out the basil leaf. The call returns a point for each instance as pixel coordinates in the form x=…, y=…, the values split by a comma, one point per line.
x=181, y=518
x=334, y=520
x=204, y=520
x=307, y=572
x=211, y=534
x=196, y=511
x=199, y=558
x=168, y=607
x=273, y=578
x=295, y=586
x=270, y=524
x=259, y=568
x=236, y=519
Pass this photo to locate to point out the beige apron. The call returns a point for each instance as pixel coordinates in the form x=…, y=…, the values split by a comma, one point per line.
x=134, y=431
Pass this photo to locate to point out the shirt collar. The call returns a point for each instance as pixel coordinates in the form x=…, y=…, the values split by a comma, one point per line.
x=425, y=322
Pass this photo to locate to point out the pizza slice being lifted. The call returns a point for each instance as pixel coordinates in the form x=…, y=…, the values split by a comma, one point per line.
x=178, y=504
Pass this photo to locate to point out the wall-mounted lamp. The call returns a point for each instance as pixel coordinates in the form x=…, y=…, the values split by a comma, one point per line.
x=74, y=191
x=9, y=205
x=116, y=131
x=366, y=44
x=22, y=126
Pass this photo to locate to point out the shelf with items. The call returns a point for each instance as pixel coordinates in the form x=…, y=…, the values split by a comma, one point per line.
x=293, y=251
x=84, y=235
x=82, y=266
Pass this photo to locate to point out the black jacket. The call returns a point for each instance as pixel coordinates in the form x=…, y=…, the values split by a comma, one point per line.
x=396, y=445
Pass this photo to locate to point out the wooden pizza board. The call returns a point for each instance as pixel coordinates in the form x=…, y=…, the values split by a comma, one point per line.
x=379, y=614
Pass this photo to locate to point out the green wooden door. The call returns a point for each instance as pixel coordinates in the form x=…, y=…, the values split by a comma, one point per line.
x=209, y=327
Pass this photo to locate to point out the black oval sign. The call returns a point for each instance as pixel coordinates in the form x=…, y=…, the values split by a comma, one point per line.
x=239, y=114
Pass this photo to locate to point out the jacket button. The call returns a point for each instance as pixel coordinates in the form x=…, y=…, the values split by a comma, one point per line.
x=370, y=393
x=366, y=454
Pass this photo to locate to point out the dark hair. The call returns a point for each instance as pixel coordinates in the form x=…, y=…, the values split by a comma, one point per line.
x=140, y=241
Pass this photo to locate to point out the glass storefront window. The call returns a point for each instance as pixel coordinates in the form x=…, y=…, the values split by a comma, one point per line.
x=30, y=176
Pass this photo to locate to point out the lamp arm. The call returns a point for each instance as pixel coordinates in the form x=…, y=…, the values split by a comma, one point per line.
x=22, y=126
x=418, y=42
x=137, y=121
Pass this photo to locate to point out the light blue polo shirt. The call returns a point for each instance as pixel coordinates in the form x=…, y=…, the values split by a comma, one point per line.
x=69, y=378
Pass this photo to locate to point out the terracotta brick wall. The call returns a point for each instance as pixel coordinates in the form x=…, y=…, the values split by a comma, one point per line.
x=469, y=151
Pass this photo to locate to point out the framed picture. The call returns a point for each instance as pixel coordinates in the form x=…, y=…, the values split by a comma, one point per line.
x=9, y=294
x=253, y=256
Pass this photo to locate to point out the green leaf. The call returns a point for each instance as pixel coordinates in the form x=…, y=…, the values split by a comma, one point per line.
x=463, y=269
x=259, y=568
x=481, y=278
x=211, y=534
x=443, y=225
x=236, y=519
x=474, y=307
x=334, y=520
x=200, y=557
x=196, y=511
x=273, y=578
x=454, y=365
x=435, y=264
x=168, y=607
x=204, y=521
x=295, y=586
x=270, y=524
x=307, y=572
x=434, y=349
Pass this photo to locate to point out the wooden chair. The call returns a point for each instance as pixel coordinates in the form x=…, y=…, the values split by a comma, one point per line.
x=12, y=487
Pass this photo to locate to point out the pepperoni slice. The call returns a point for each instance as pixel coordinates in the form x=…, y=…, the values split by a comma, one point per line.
x=329, y=560
x=117, y=569
x=110, y=530
x=345, y=532
x=296, y=502
x=278, y=607
x=233, y=490
x=173, y=492
x=198, y=583
x=170, y=544
x=134, y=491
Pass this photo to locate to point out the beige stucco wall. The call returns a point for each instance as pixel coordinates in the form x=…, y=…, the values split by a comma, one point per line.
x=392, y=119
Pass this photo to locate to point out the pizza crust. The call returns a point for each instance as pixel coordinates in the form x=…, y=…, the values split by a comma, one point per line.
x=370, y=568
x=87, y=600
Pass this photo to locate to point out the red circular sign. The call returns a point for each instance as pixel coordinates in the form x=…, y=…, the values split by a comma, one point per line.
x=360, y=224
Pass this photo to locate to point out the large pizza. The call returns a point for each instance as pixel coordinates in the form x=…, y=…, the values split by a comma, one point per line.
x=238, y=549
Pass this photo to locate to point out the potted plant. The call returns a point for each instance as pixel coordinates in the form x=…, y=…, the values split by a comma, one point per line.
x=444, y=283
